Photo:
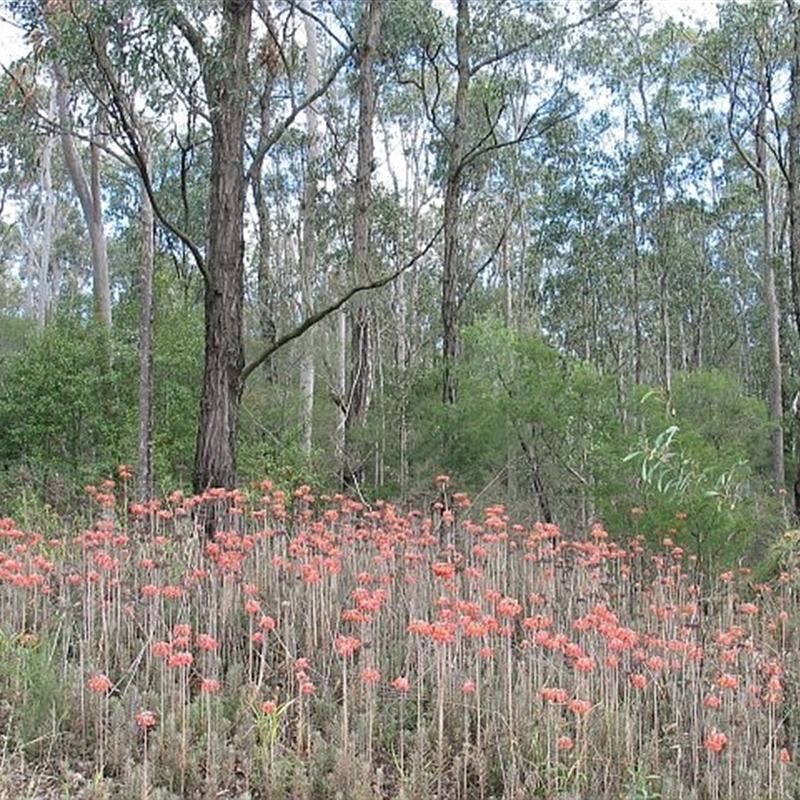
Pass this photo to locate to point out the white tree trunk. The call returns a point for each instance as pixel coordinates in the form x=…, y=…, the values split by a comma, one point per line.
x=47, y=291
x=145, y=470
x=89, y=195
x=308, y=259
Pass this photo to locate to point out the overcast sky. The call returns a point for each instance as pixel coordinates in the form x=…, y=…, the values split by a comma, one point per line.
x=11, y=45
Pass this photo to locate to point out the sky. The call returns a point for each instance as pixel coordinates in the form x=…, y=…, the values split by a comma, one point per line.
x=12, y=45
x=687, y=10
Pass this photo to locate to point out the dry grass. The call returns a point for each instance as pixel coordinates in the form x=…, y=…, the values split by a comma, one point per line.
x=320, y=649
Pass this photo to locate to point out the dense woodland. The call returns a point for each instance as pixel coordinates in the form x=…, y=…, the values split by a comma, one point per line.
x=551, y=249
x=400, y=399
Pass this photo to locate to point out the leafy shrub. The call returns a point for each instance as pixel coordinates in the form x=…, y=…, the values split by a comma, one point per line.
x=67, y=407
x=696, y=474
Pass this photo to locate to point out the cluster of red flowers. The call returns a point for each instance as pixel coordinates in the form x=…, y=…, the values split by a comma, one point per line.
x=582, y=624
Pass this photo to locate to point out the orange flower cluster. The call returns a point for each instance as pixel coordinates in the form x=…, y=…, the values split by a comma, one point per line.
x=471, y=610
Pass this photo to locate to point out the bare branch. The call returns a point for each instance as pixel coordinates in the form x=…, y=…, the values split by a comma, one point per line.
x=266, y=142
x=317, y=317
x=127, y=118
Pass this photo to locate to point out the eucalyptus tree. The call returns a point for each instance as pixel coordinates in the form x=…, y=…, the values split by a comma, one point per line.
x=89, y=190
x=362, y=325
x=147, y=257
x=465, y=77
x=210, y=72
x=657, y=118
x=308, y=222
x=40, y=216
x=745, y=58
x=409, y=208
x=793, y=159
x=140, y=132
x=51, y=27
x=49, y=250
x=659, y=152
x=793, y=155
x=29, y=184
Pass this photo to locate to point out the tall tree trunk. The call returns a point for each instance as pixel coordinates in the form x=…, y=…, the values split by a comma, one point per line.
x=29, y=224
x=453, y=196
x=226, y=82
x=770, y=293
x=399, y=308
x=664, y=304
x=308, y=245
x=760, y=167
x=340, y=388
x=794, y=191
x=361, y=344
x=146, y=475
x=267, y=322
x=97, y=234
x=89, y=195
x=635, y=275
x=48, y=201
x=266, y=305
x=402, y=365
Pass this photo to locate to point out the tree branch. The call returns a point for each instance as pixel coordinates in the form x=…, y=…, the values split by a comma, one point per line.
x=189, y=31
x=127, y=117
x=264, y=144
x=318, y=21
x=317, y=317
x=500, y=55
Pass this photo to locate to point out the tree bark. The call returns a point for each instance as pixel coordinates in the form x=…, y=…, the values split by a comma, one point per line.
x=361, y=318
x=145, y=471
x=793, y=147
x=759, y=165
x=226, y=82
x=453, y=197
x=267, y=322
x=44, y=304
x=308, y=245
x=770, y=292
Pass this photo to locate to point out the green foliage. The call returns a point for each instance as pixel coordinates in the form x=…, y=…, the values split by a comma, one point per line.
x=66, y=407
x=694, y=474
x=545, y=432
x=599, y=247
x=269, y=439
x=177, y=373
x=34, y=694
x=523, y=412
x=14, y=332
x=782, y=557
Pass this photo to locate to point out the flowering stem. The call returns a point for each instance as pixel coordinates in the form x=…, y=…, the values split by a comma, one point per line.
x=146, y=766
x=370, y=722
x=440, y=677
x=209, y=741
x=402, y=738
x=345, y=711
